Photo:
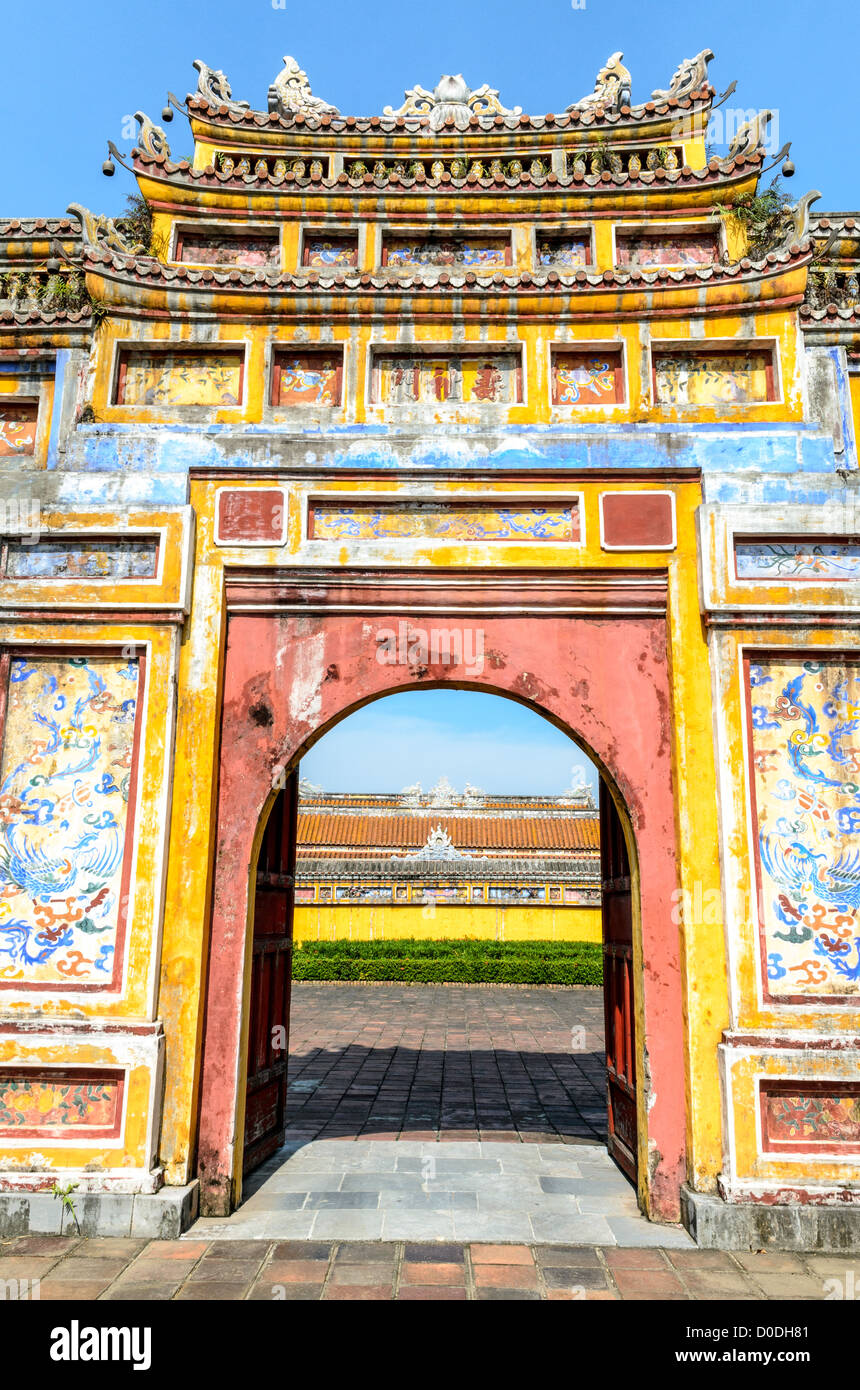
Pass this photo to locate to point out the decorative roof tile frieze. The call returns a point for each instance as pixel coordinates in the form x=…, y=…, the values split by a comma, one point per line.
x=451, y=103
x=146, y=287
x=18, y=227
x=290, y=94
x=262, y=174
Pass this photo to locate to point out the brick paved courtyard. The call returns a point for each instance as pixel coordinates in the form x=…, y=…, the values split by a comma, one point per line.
x=450, y=1062
x=114, y=1269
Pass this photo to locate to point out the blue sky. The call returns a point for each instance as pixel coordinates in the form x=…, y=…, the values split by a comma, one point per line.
x=467, y=736
x=75, y=74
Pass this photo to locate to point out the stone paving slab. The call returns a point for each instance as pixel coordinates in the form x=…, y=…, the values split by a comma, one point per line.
x=406, y=1269
x=497, y=1192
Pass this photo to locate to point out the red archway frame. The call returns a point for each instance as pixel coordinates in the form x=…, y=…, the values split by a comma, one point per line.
x=303, y=652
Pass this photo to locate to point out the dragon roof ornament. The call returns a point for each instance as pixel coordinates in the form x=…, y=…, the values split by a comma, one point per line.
x=452, y=102
x=101, y=233
x=750, y=136
x=151, y=138
x=689, y=76
x=290, y=93
x=213, y=86
x=611, y=90
x=798, y=218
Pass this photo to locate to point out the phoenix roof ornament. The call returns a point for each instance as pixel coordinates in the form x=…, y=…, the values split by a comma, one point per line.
x=452, y=102
x=689, y=76
x=213, y=86
x=291, y=93
x=750, y=137
x=611, y=90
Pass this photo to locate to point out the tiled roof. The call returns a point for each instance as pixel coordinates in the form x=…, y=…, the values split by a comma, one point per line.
x=344, y=833
x=582, y=869
x=147, y=270
x=31, y=226
x=627, y=115
x=716, y=171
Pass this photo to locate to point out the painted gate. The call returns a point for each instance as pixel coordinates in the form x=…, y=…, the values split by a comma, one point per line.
x=618, y=1004
x=271, y=974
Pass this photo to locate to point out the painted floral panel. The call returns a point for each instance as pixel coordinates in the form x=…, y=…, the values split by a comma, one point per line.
x=323, y=251
x=803, y=559
x=17, y=427
x=678, y=250
x=82, y=560
x=566, y=253
x=65, y=779
x=805, y=1119
x=181, y=378
x=453, y=252
x=445, y=522
x=252, y=252
x=716, y=378
x=307, y=379
x=44, y=1105
x=804, y=718
x=587, y=378
x=457, y=379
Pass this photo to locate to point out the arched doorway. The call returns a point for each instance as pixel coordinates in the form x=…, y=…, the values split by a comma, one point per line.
x=303, y=654
x=371, y=871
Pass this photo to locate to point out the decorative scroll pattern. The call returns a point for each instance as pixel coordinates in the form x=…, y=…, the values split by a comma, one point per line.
x=458, y=252
x=309, y=378
x=18, y=428
x=180, y=378
x=65, y=782
x=805, y=1118
x=46, y=1106
x=678, y=250
x=468, y=379
x=587, y=378
x=254, y=251
x=713, y=378
x=802, y=559
x=96, y=559
x=450, y=522
x=804, y=718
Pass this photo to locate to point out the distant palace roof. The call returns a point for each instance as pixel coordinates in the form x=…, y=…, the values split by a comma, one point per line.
x=349, y=825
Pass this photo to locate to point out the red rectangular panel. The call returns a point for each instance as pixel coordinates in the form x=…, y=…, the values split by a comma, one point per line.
x=637, y=521
x=249, y=515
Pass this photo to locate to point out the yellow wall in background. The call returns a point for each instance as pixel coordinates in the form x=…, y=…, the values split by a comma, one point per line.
x=514, y=922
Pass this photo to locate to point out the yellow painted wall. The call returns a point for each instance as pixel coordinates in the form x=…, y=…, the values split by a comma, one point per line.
x=363, y=922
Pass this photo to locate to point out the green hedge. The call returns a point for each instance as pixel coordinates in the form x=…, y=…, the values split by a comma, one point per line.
x=411, y=961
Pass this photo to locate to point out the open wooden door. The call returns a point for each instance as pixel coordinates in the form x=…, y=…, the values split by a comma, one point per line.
x=618, y=986
x=271, y=976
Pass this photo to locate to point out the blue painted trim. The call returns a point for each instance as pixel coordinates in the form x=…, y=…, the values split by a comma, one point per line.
x=60, y=369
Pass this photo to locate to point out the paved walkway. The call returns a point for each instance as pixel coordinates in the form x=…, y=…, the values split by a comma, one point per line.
x=456, y=1061
x=468, y=1114
x=114, y=1269
x=425, y=1190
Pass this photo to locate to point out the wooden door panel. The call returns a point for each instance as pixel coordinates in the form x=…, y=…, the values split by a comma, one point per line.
x=618, y=999
x=271, y=976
